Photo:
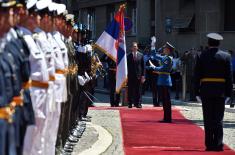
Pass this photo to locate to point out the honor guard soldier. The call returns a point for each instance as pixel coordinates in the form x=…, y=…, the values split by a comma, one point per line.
x=40, y=37
x=164, y=79
x=8, y=125
x=35, y=137
x=213, y=85
x=114, y=97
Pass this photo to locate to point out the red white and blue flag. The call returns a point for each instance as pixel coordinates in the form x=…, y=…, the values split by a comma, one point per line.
x=112, y=42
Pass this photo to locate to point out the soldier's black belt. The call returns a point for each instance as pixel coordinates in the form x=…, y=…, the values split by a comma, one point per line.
x=222, y=80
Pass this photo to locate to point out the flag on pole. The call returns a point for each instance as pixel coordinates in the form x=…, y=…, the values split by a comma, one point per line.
x=112, y=42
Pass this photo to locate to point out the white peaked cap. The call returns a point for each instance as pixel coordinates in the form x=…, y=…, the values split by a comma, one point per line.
x=31, y=3
x=215, y=36
x=69, y=17
x=52, y=6
x=60, y=8
x=65, y=12
x=42, y=4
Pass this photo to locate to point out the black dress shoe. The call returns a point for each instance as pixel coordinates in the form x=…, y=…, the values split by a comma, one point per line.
x=129, y=106
x=86, y=119
x=68, y=150
x=88, y=116
x=77, y=134
x=209, y=149
x=157, y=105
x=73, y=139
x=139, y=106
x=218, y=149
x=165, y=121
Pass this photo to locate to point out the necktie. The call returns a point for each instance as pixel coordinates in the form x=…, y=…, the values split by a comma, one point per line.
x=134, y=55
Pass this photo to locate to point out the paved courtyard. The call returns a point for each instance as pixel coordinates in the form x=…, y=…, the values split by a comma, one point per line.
x=110, y=121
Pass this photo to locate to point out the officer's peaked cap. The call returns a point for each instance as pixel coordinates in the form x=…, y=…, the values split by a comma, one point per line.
x=168, y=45
x=60, y=8
x=20, y=3
x=65, y=12
x=69, y=17
x=42, y=4
x=215, y=36
x=52, y=6
x=31, y=3
x=8, y=3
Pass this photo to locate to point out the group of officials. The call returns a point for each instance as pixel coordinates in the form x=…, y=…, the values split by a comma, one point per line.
x=212, y=80
x=159, y=64
x=47, y=67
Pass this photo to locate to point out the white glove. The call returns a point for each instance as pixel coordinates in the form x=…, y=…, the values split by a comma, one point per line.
x=81, y=80
x=199, y=99
x=87, y=76
x=151, y=64
x=227, y=100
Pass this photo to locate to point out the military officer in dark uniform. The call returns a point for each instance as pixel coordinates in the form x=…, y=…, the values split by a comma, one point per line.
x=213, y=85
x=164, y=79
x=114, y=97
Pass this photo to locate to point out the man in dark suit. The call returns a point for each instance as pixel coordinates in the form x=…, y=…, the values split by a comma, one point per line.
x=213, y=86
x=135, y=64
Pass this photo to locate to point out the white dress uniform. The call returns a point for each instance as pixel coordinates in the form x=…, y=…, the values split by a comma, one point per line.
x=34, y=139
x=42, y=41
x=60, y=84
x=64, y=51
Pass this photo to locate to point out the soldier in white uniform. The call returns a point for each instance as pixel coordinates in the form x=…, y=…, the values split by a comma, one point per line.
x=45, y=46
x=35, y=141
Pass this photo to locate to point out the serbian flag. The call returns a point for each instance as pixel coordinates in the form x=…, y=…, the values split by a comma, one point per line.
x=112, y=42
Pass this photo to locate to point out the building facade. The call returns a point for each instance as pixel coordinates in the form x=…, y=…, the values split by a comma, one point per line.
x=184, y=23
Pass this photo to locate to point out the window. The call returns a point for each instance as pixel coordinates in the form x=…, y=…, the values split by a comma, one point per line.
x=134, y=21
x=186, y=24
x=110, y=13
x=229, y=15
x=187, y=5
x=91, y=22
x=152, y=17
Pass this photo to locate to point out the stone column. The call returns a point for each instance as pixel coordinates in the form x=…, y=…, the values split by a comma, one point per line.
x=143, y=19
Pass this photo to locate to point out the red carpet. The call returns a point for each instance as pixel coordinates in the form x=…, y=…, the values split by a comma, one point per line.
x=144, y=135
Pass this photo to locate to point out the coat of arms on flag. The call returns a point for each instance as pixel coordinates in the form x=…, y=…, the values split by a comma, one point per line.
x=112, y=42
